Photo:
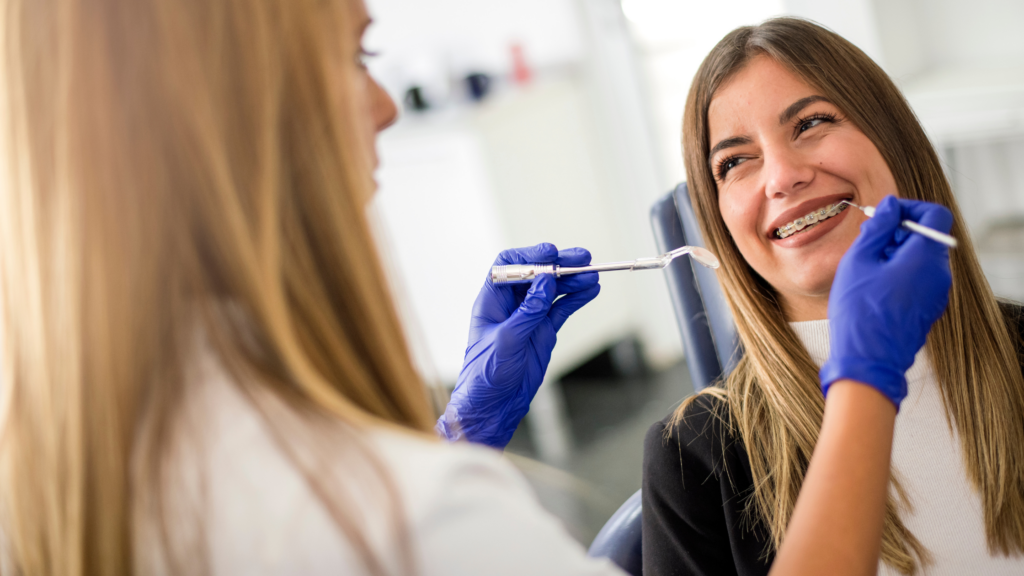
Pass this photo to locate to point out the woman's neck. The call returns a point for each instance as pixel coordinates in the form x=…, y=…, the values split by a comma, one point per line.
x=803, y=308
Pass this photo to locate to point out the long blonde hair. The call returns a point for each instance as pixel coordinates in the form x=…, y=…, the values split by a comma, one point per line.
x=165, y=162
x=773, y=399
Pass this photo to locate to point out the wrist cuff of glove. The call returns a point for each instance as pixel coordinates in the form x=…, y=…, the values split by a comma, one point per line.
x=450, y=427
x=889, y=381
x=446, y=432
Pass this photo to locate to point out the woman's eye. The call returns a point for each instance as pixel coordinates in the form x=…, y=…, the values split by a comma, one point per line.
x=810, y=124
x=806, y=124
x=728, y=164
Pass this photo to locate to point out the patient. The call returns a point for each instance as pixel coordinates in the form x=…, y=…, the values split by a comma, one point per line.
x=783, y=121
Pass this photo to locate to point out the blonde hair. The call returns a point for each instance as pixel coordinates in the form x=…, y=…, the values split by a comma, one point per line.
x=166, y=161
x=773, y=399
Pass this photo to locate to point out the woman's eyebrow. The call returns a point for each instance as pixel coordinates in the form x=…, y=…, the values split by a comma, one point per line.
x=799, y=105
x=787, y=114
x=727, y=143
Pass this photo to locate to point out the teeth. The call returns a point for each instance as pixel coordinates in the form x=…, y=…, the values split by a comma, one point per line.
x=809, y=220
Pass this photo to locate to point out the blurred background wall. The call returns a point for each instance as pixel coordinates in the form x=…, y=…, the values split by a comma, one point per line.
x=558, y=120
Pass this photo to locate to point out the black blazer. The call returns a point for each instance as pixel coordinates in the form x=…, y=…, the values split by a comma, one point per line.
x=696, y=486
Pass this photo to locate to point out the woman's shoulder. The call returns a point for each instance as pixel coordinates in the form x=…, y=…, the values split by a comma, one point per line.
x=426, y=468
x=696, y=444
x=700, y=429
x=1013, y=313
x=696, y=486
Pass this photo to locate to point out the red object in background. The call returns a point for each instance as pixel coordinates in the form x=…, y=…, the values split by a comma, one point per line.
x=521, y=72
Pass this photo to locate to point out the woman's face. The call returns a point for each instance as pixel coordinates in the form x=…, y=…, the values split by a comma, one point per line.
x=781, y=152
x=377, y=109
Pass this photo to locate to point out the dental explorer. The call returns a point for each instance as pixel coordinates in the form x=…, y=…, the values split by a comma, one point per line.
x=940, y=237
x=520, y=273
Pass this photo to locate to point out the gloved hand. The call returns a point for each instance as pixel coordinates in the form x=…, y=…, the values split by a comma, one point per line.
x=511, y=336
x=889, y=289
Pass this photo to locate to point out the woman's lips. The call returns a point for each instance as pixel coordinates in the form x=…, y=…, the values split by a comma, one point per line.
x=802, y=210
x=809, y=235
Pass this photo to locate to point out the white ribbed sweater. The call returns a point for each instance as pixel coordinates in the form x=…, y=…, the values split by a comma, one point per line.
x=947, y=514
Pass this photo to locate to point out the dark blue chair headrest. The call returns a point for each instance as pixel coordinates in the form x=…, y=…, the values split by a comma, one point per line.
x=619, y=540
x=709, y=334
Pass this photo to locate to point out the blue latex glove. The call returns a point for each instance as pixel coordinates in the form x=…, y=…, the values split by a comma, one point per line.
x=889, y=289
x=511, y=336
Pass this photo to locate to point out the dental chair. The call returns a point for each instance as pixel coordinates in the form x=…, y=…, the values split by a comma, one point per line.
x=709, y=334
x=710, y=342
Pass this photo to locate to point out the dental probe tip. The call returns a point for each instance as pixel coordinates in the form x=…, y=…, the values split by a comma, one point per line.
x=870, y=211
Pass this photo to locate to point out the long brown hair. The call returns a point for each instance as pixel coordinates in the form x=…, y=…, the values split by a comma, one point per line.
x=174, y=165
x=773, y=396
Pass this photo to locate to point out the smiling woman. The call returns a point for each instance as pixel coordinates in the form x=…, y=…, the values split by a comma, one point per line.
x=783, y=162
x=783, y=121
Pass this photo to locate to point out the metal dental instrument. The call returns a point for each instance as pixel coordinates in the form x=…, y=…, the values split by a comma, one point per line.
x=520, y=273
x=940, y=237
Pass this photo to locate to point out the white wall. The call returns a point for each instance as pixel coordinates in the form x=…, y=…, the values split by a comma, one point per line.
x=914, y=36
x=977, y=32
x=854, y=20
x=568, y=159
x=439, y=229
x=673, y=37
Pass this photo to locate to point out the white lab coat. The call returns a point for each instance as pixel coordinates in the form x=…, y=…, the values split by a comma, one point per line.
x=469, y=512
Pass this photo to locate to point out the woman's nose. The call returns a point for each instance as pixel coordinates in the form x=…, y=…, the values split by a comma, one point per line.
x=385, y=112
x=786, y=171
